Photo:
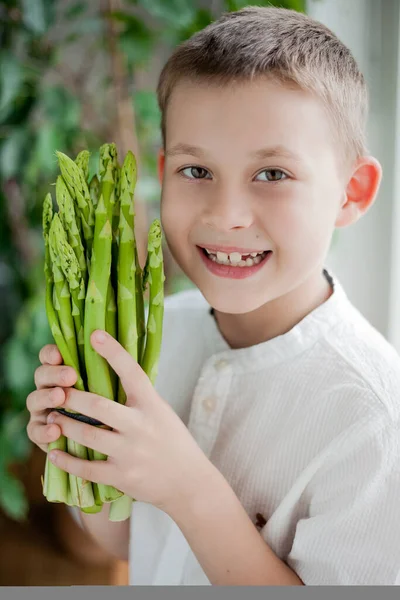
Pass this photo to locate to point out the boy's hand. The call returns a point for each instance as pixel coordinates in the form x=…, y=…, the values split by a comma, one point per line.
x=50, y=379
x=152, y=457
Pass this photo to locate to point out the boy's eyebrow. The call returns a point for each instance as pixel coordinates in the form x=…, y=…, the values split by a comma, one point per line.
x=272, y=152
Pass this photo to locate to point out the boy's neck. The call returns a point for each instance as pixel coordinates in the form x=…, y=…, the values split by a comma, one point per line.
x=276, y=317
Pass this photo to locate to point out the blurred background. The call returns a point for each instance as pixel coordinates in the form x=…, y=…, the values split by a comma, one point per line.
x=74, y=74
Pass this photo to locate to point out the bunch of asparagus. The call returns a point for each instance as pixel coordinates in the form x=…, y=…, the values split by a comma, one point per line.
x=94, y=281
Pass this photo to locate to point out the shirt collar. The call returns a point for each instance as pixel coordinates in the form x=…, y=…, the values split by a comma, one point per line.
x=283, y=347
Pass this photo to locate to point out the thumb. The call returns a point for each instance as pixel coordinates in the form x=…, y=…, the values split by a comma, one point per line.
x=133, y=379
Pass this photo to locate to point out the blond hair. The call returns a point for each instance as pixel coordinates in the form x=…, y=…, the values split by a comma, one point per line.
x=279, y=43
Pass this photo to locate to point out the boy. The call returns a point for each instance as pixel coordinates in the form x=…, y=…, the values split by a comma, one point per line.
x=268, y=453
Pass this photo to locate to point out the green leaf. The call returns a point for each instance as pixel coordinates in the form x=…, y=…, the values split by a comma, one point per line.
x=201, y=19
x=146, y=106
x=11, y=79
x=137, y=41
x=21, y=352
x=12, y=497
x=299, y=5
x=122, y=17
x=88, y=25
x=19, y=367
x=15, y=442
x=37, y=15
x=75, y=10
x=178, y=13
x=49, y=139
x=11, y=153
x=61, y=107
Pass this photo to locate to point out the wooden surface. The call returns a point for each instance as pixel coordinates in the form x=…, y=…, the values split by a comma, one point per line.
x=48, y=549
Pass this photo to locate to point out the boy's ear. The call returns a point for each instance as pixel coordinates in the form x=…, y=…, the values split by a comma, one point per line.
x=160, y=164
x=361, y=190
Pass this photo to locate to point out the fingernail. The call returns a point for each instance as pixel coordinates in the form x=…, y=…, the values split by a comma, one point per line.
x=52, y=456
x=99, y=337
x=51, y=418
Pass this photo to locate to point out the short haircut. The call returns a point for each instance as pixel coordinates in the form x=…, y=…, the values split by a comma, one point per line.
x=277, y=43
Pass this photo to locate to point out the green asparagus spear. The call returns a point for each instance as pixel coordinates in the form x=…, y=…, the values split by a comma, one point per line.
x=111, y=328
x=55, y=484
x=99, y=380
x=50, y=310
x=126, y=266
x=154, y=276
x=115, y=228
x=62, y=292
x=120, y=510
x=61, y=253
x=70, y=267
x=140, y=313
x=82, y=161
x=71, y=224
x=96, y=297
x=78, y=188
x=94, y=190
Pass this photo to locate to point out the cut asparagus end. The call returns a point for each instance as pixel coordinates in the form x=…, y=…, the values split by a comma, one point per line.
x=107, y=493
x=81, y=489
x=55, y=483
x=120, y=509
x=92, y=510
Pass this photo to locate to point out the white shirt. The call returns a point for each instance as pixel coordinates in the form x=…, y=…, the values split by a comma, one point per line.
x=305, y=428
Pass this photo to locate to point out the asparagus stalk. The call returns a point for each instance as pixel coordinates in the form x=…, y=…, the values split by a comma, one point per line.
x=78, y=188
x=71, y=270
x=126, y=266
x=99, y=380
x=140, y=313
x=115, y=228
x=111, y=328
x=94, y=188
x=120, y=510
x=55, y=484
x=63, y=264
x=82, y=161
x=71, y=225
x=98, y=502
x=154, y=277
x=50, y=309
x=62, y=292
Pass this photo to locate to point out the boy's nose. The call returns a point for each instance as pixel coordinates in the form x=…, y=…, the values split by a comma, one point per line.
x=226, y=211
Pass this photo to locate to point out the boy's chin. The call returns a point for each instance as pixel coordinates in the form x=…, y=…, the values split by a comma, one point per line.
x=233, y=305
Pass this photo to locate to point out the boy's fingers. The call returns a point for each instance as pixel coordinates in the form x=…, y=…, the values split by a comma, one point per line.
x=54, y=376
x=133, y=379
x=40, y=400
x=97, y=471
x=41, y=434
x=50, y=355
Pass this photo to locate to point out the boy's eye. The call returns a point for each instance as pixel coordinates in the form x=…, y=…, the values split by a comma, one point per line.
x=197, y=172
x=274, y=174
x=200, y=173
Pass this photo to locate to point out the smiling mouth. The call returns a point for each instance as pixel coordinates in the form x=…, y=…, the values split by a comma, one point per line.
x=235, y=259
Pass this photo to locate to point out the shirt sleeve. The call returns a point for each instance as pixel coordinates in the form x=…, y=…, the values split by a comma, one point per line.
x=351, y=534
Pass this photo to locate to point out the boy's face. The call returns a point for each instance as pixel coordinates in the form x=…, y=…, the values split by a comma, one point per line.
x=285, y=202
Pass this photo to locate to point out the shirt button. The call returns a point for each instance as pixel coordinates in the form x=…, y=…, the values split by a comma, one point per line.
x=221, y=364
x=209, y=403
